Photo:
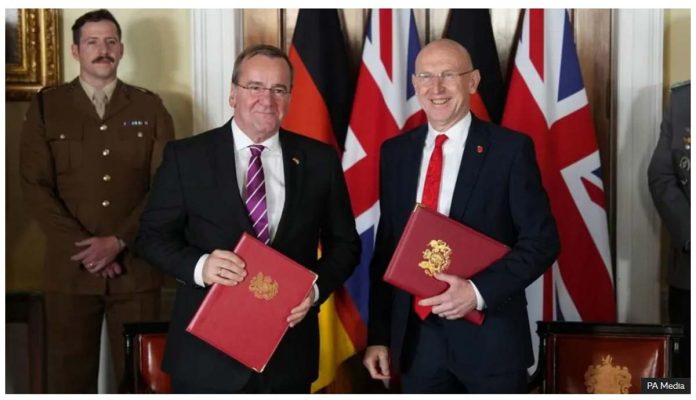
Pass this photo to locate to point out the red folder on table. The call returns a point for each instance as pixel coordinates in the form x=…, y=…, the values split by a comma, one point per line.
x=247, y=321
x=433, y=243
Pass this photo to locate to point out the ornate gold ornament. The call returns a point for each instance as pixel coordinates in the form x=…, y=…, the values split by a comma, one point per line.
x=263, y=287
x=436, y=258
x=607, y=378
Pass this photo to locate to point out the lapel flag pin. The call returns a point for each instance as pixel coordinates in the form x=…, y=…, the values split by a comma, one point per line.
x=479, y=149
x=296, y=160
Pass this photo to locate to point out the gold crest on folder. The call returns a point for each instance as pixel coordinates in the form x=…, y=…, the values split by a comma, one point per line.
x=263, y=287
x=436, y=258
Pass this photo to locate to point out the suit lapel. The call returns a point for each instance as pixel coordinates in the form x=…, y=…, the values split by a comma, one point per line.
x=294, y=172
x=475, y=152
x=81, y=102
x=222, y=157
x=411, y=163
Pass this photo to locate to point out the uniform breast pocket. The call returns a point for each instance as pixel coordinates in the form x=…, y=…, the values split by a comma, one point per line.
x=136, y=144
x=682, y=165
x=66, y=145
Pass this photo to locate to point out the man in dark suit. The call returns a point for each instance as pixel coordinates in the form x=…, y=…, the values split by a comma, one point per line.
x=206, y=194
x=88, y=150
x=669, y=177
x=487, y=178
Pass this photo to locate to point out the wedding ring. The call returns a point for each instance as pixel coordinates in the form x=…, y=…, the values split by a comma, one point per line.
x=90, y=265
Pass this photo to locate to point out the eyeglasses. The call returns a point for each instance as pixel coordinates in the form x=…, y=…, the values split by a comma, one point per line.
x=258, y=90
x=428, y=78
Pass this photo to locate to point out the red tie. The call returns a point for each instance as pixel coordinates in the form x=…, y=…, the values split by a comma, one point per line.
x=431, y=193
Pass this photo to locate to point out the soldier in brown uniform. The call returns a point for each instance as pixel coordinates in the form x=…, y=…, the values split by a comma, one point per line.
x=88, y=150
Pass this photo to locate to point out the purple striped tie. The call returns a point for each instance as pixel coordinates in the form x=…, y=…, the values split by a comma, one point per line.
x=256, y=195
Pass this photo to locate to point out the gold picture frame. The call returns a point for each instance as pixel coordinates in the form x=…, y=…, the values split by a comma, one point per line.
x=32, y=51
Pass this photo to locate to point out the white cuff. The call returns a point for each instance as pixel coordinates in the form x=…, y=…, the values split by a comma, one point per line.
x=198, y=271
x=480, y=304
x=316, y=293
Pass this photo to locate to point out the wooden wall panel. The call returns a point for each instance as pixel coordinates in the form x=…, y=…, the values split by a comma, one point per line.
x=262, y=26
x=505, y=22
x=593, y=40
x=354, y=21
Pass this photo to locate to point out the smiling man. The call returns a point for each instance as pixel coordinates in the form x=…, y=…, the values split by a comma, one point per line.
x=88, y=149
x=483, y=176
x=248, y=176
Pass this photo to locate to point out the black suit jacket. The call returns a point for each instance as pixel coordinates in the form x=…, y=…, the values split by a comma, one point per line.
x=499, y=193
x=195, y=207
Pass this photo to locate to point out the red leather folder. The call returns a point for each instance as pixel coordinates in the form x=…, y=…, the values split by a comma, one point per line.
x=430, y=238
x=247, y=321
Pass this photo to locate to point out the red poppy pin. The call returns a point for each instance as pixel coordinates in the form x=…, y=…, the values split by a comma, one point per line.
x=479, y=149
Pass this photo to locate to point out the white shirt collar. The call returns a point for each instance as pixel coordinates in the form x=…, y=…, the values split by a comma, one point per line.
x=457, y=133
x=242, y=141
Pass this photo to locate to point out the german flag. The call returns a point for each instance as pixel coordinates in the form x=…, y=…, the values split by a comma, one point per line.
x=472, y=29
x=322, y=97
x=322, y=92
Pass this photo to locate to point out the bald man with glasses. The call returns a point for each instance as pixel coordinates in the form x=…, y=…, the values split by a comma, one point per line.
x=483, y=176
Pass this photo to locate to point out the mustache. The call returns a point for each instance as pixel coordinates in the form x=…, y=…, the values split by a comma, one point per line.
x=103, y=58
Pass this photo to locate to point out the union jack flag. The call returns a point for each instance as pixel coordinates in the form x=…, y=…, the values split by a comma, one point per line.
x=385, y=105
x=547, y=101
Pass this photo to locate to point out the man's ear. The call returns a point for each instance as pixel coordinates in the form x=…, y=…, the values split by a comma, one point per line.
x=75, y=51
x=233, y=95
x=474, y=81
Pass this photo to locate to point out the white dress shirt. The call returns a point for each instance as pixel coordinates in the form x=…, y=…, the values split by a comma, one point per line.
x=452, y=152
x=273, y=172
x=274, y=176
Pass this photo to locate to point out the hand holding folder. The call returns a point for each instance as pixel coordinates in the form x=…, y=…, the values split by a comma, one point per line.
x=432, y=243
x=248, y=321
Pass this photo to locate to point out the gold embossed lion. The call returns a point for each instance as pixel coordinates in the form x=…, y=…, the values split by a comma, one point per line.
x=264, y=287
x=436, y=257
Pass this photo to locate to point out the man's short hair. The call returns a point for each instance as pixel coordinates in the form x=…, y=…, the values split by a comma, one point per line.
x=264, y=50
x=93, y=16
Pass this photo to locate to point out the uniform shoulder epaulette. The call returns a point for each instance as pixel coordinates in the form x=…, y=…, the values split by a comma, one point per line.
x=40, y=98
x=680, y=84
